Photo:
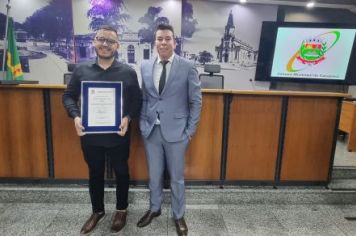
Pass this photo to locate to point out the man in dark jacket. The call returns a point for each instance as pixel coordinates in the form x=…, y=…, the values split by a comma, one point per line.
x=97, y=146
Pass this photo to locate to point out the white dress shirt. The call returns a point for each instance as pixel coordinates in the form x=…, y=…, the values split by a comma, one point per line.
x=157, y=71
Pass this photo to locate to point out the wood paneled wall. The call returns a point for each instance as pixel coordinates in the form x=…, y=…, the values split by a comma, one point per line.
x=203, y=157
x=256, y=134
x=253, y=137
x=137, y=160
x=23, y=151
x=201, y=163
x=68, y=158
x=309, y=134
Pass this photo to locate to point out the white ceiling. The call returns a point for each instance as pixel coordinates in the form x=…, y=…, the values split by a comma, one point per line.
x=343, y=4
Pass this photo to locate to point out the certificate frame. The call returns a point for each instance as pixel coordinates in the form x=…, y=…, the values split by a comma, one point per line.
x=87, y=106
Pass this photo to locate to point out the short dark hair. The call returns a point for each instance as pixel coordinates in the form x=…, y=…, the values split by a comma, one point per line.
x=108, y=28
x=165, y=27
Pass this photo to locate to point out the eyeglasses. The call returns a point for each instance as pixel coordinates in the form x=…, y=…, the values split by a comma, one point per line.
x=102, y=40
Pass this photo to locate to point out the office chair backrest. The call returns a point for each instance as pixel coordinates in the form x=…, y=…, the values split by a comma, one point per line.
x=212, y=81
x=212, y=68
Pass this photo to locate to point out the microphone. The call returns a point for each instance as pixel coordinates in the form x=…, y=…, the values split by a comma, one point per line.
x=252, y=83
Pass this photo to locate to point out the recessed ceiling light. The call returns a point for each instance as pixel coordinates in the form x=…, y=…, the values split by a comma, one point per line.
x=243, y=1
x=310, y=4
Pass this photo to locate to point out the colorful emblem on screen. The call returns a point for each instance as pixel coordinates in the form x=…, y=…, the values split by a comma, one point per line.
x=312, y=51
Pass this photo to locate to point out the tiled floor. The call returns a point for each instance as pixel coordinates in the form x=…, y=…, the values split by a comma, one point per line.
x=231, y=211
x=220, y=219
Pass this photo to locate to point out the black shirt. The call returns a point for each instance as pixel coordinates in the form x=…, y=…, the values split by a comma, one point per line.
x=132, y=96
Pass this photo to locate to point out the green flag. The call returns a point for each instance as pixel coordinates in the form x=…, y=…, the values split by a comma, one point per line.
x=13, y=65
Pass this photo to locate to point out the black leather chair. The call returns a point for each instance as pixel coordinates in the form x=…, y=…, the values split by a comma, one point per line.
x=68, y=75
x=71, y=67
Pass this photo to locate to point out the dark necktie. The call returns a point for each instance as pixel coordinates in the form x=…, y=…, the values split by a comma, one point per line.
x=162, y=79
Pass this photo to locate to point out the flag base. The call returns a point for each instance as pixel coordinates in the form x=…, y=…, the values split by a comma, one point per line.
x=16, y=82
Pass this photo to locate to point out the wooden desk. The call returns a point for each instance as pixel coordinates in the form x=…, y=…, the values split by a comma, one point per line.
x=273, y=137
x=348, y=123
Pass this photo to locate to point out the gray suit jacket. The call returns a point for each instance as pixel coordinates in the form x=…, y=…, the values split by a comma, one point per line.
x=178, y=106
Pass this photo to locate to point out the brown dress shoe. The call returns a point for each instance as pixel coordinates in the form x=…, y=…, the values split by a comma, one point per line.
x=181, y=227
x=90, y=224
x=147, y=218
x=119, y=221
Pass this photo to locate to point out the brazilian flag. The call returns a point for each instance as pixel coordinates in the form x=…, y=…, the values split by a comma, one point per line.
x=13, y=65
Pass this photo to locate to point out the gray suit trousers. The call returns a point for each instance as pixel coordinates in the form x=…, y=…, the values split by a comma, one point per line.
x=159, y=151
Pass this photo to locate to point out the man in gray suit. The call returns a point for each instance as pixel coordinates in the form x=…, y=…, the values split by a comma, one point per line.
x=170, y=113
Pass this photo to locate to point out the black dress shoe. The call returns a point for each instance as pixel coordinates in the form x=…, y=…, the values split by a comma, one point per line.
x=90, y=224
x=147, y=218
x=181, y=227
x=119, y=221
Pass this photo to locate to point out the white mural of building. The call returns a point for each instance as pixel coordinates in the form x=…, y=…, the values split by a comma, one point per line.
x=84, y=49
x=234, y=50
x=131, y=51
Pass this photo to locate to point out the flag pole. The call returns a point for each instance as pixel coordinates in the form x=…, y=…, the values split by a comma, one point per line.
x=5, y=39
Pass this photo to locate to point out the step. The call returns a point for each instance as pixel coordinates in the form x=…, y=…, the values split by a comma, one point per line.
x=194, y=195
x=344, y=172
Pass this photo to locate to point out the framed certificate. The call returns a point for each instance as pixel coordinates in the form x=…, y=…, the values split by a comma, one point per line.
x=101, y=106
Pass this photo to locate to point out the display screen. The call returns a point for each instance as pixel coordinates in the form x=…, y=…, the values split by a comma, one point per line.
x=307, y=52
x=312, y=53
